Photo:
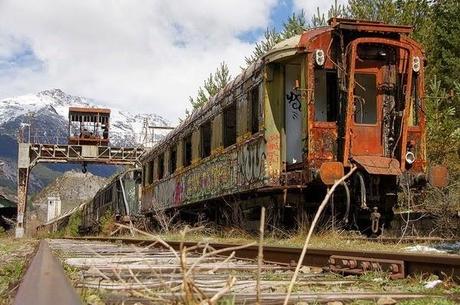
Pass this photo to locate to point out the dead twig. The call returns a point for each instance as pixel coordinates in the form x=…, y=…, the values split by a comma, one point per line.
x=310, y=232
x=260, y=256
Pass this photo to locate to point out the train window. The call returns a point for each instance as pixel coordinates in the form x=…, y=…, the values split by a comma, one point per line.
x=187, y=150
x=229, y=125
x=161, y=166
x=254, y=110
x=206, y=133
x=365, y=99
x=144, y=175
x=172, y=159
x=150, y=172
x=326, y=95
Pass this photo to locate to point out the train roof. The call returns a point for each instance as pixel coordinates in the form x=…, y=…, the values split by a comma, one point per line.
x=284, y=49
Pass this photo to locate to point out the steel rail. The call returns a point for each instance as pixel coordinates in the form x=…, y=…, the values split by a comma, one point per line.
x=45, y=282
x=442, y=265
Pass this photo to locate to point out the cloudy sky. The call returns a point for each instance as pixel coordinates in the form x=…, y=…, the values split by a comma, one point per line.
x=137, y=55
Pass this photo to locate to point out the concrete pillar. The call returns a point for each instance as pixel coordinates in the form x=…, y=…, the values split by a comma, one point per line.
x=23, y=183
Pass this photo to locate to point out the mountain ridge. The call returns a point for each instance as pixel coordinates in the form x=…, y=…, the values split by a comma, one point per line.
x=47, y=114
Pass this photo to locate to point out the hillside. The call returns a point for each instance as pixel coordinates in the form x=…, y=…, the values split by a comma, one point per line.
x=72, y=187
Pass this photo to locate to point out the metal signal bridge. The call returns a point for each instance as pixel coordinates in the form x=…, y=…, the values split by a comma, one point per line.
x=88, y=142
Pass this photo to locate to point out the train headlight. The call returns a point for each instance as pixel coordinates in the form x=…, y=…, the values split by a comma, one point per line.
x=320, y=58
x=416, y=64
x=410, y=157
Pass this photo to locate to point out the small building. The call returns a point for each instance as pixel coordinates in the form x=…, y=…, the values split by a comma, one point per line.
x=54, y=208
x=89, y=126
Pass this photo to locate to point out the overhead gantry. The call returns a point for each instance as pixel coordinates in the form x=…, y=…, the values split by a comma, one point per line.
x=85, y=146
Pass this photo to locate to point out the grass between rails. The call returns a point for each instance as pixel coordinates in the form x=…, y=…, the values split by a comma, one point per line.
x=343, y=240
x=14, y=257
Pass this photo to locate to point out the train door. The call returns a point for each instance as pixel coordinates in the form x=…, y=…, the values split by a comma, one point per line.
x=366, y=123
x=293, y=114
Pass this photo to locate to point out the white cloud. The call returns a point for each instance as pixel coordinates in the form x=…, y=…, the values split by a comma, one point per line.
x=142, y=56
x=311, y=6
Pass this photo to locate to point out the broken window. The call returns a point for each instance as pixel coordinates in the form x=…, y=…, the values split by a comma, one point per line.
x=172, y=159
x=187, y=150
x=326, y=95
x=205, y=133
x=150, y=172
x=365, y=99
x=230, y=125
x=161, y=166
x=144, y=175
x=254, y=110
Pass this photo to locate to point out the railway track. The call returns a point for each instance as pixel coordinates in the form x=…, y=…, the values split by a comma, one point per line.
x=133, y=271
x=442, y=265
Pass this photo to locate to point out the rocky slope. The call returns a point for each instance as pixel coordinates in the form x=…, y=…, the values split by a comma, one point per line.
x=72, y=187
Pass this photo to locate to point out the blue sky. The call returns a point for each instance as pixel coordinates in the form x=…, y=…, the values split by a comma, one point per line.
x=137, y=51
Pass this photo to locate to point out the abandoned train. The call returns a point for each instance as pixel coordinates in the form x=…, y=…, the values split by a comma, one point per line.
x=118, y=198
x=350, y=94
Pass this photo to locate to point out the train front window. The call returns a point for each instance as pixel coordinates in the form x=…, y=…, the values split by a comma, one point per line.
x=326, y=100
x=365, y=98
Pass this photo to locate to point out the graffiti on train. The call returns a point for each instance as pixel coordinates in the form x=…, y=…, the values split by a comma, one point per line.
x=212, y=179
x=251, y=164
x=215, y=178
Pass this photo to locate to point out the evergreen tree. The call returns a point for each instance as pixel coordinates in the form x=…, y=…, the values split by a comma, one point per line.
x=295, y=25
x=271, y=37
x=444, y=51
x=211, y=86
x=443, y=125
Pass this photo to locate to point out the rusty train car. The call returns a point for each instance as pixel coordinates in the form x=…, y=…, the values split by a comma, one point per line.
x=119, y=198
x=343, y=95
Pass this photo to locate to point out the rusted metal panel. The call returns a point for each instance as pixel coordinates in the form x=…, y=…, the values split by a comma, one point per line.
x=368, y=26
x=45, y=282
x=330, y=172
x=378, y=165
x=323, y=143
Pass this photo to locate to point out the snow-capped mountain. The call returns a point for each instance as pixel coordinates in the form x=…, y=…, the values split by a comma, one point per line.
x=47, y=113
